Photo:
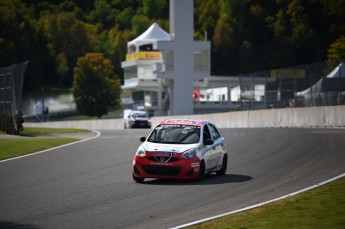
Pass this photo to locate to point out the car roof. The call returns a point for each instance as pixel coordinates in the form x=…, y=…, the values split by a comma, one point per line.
x=191, y=122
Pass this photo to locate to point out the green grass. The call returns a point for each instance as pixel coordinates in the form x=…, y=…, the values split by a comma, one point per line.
x=319, y=208
x=41, y=131
x=18, y=146
x=14, y=147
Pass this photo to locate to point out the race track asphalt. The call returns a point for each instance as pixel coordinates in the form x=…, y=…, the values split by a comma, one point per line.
x=89, y=184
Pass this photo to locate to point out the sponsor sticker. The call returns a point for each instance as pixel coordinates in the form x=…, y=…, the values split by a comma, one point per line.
x=162, y=154
x=195, y=164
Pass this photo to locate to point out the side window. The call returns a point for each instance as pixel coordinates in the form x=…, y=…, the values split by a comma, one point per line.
x=214, y=132
x=206, y=133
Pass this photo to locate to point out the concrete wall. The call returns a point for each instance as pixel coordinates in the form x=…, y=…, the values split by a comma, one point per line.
x=333, y=116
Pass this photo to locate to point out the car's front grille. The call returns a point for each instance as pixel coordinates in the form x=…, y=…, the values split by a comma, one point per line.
x=162, y=170
x=141, y=122
x=162, y=159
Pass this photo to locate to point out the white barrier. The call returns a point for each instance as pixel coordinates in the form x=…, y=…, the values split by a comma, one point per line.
x=332, y=116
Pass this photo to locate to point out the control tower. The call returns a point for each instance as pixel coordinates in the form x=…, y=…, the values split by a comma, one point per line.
x=185, y=59
x=161, y=67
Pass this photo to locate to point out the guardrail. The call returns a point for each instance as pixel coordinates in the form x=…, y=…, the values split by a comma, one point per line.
x=332, y=116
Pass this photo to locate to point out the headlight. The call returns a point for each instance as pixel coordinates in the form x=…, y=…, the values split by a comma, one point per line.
x=140, y=152
x=189, y=154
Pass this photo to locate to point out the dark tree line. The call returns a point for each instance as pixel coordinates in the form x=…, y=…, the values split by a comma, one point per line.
x=246, y=35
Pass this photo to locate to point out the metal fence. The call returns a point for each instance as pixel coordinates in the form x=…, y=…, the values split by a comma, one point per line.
x=11, y=88
x=316, y=84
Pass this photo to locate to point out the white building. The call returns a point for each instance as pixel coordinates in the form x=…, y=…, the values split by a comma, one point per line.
x=162, y=71
x=141, y=86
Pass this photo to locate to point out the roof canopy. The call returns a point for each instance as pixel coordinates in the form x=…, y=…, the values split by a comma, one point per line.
x=338, y=71
x=332, y=82
x=152, y=34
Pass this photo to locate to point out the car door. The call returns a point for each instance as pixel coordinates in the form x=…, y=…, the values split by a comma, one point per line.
x=218, y=142
x=210, y=157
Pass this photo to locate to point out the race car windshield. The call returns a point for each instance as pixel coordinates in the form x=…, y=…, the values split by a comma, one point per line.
x=139, y=115
x=175, y=134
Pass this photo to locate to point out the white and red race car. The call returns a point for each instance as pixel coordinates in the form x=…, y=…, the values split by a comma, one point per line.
x=180, y=149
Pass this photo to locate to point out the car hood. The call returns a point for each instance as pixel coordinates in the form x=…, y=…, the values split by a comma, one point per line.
x=176, y=148
x=142, y=119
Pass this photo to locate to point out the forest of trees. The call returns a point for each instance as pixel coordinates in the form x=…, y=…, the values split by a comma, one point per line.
x=246, y=35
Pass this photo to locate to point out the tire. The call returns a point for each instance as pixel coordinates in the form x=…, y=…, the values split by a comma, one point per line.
x=224, y=167
x=201, y=175
x=138, y=179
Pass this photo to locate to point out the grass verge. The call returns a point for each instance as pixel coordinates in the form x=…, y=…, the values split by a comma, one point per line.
x=36, y=131
x=15, y=147
x=18, y=146
x=318, y=208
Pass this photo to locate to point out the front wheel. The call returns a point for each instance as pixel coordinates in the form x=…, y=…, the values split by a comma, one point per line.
x=222, y=170
x=138, y=179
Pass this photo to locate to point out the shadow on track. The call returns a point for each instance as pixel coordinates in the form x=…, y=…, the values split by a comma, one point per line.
x=12, y=225
x=209, y=179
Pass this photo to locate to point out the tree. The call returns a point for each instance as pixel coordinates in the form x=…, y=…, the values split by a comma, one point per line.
x=124, y=18
x=246, y=35
x=95, y=86
x=336, y=52
x=206, y=13
x=19, y=41
x=302, y=36
x=223, y=43
x=117, y=46
x=103, y=13
x=140, y=23
x=67, y=39
x=155, y=8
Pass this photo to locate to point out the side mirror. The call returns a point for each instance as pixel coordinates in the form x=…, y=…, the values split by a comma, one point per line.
x=208, y=142
x=143, y=139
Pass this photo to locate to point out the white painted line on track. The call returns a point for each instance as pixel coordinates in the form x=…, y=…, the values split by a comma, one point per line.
x=57, y=147
x=260, y=204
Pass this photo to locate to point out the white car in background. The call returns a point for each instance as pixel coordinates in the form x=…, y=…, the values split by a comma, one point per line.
x=136, y=119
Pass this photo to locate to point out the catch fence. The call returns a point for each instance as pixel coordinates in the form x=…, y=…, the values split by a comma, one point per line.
x=316, y=84
x=11, y=89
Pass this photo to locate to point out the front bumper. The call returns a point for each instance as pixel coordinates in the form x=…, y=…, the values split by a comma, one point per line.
x=140, y=124
x=173, y=168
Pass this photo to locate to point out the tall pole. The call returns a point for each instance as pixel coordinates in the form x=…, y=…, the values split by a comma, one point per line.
x=42, y=90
